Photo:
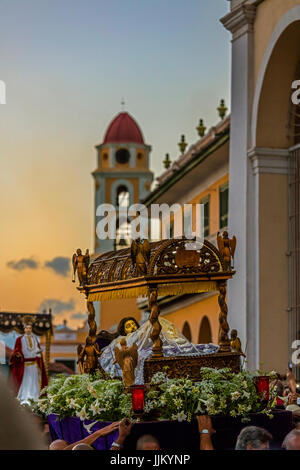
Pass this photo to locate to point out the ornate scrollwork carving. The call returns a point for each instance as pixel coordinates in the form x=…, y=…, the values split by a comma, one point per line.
x=157, y=258
x=190, y=366
x=176, y=259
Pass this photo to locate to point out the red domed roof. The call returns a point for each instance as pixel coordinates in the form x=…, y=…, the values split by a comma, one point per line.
x=123, y=128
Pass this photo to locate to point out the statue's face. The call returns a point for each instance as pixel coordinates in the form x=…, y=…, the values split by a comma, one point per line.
x=79, y=252
x=28, y=329
x=130, y=326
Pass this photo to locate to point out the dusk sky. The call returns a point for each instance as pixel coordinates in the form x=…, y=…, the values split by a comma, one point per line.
x=67, y=64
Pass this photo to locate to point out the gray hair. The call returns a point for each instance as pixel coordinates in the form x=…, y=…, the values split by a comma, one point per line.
x=290, y=440
x=254, y=436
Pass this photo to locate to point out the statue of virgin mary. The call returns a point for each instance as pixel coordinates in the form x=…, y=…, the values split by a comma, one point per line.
x=174, y=343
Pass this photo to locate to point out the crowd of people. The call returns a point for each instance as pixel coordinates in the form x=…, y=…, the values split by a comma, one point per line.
x=20, y=429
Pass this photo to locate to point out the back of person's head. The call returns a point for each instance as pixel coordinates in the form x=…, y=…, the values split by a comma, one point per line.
x=18, y=429
x=82, y=447
x=253, y=438
x=58, y=444
x=147, y=442
x=292, y=440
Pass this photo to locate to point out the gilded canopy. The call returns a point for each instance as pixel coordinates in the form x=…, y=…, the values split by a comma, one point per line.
x=173, y=266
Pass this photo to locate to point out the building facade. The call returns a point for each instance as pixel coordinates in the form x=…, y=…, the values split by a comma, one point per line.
x=264, y=188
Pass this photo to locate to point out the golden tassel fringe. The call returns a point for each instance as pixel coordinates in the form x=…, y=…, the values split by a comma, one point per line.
x=163, y=289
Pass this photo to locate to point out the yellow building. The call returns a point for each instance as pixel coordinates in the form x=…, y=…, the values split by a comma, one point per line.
x=264, y=178
x=199, y=176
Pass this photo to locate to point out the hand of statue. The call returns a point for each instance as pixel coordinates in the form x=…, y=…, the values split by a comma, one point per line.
x=18, y=356
x=204, y=422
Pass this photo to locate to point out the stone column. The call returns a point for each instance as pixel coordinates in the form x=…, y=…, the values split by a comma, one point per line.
x=241, y=301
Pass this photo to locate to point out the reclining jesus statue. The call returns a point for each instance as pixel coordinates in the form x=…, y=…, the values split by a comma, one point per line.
x=174, y=343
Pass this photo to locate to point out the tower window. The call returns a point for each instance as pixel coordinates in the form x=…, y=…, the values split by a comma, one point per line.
x=105, y=156
x=122, y=156
x=140, y=155
x=223, y=194
x=122, y=199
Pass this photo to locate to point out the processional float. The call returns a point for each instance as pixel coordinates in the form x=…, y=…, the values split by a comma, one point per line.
x=154, y=269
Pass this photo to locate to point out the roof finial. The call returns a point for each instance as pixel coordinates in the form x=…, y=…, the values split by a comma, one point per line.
x=123, y=104
x=182, y=144
x=201, y=128
x=222, y=109
x=167, y=162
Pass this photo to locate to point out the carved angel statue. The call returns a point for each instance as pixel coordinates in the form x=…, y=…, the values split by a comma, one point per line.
x=127, y=358
x=227, y=248
x=140, y=255
x=80, y=264
x=235, y=343
x=88, y=356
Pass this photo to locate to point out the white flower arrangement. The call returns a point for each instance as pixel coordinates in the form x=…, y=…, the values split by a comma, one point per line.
x=220, y=392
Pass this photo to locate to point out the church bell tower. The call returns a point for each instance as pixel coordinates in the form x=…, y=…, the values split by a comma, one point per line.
x=122, y=176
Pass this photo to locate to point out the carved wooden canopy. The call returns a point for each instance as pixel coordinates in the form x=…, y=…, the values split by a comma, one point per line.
x=9, y=321
x=173, y=266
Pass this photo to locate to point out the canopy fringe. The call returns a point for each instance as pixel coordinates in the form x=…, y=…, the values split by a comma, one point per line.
x=163, y=289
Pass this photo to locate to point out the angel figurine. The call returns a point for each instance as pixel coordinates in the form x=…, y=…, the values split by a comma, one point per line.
x=80, y=264
x=127, y=358
x=227, y=248
x=235, y=343
x=140, y=255
x=88, y=356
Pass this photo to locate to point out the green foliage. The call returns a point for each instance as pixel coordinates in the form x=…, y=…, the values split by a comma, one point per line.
x=84, y=396
x=220, y=392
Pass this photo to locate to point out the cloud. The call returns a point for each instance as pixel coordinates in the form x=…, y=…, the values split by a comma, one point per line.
x=24, y=263
x=57, y=306
x=60, y=265
x=78, y=316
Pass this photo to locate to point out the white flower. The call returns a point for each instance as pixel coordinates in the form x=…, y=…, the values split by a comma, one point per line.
x=235, y=395
x=72, y=404
x=42, y=407
x=95, y=407
x=92, y=390
x=180, y=416
x=158, y=378
x=82, y=414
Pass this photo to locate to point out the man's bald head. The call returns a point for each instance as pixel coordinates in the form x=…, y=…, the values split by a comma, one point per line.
x=59, y=444
x=83, y=446
x=147, y=442
x=292, y=440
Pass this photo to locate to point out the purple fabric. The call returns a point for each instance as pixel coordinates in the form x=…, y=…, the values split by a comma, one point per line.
x=72, y=429
x=175, y=435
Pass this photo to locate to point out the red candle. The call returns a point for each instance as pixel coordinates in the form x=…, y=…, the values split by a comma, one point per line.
x=262, y=387
x=137, y=396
